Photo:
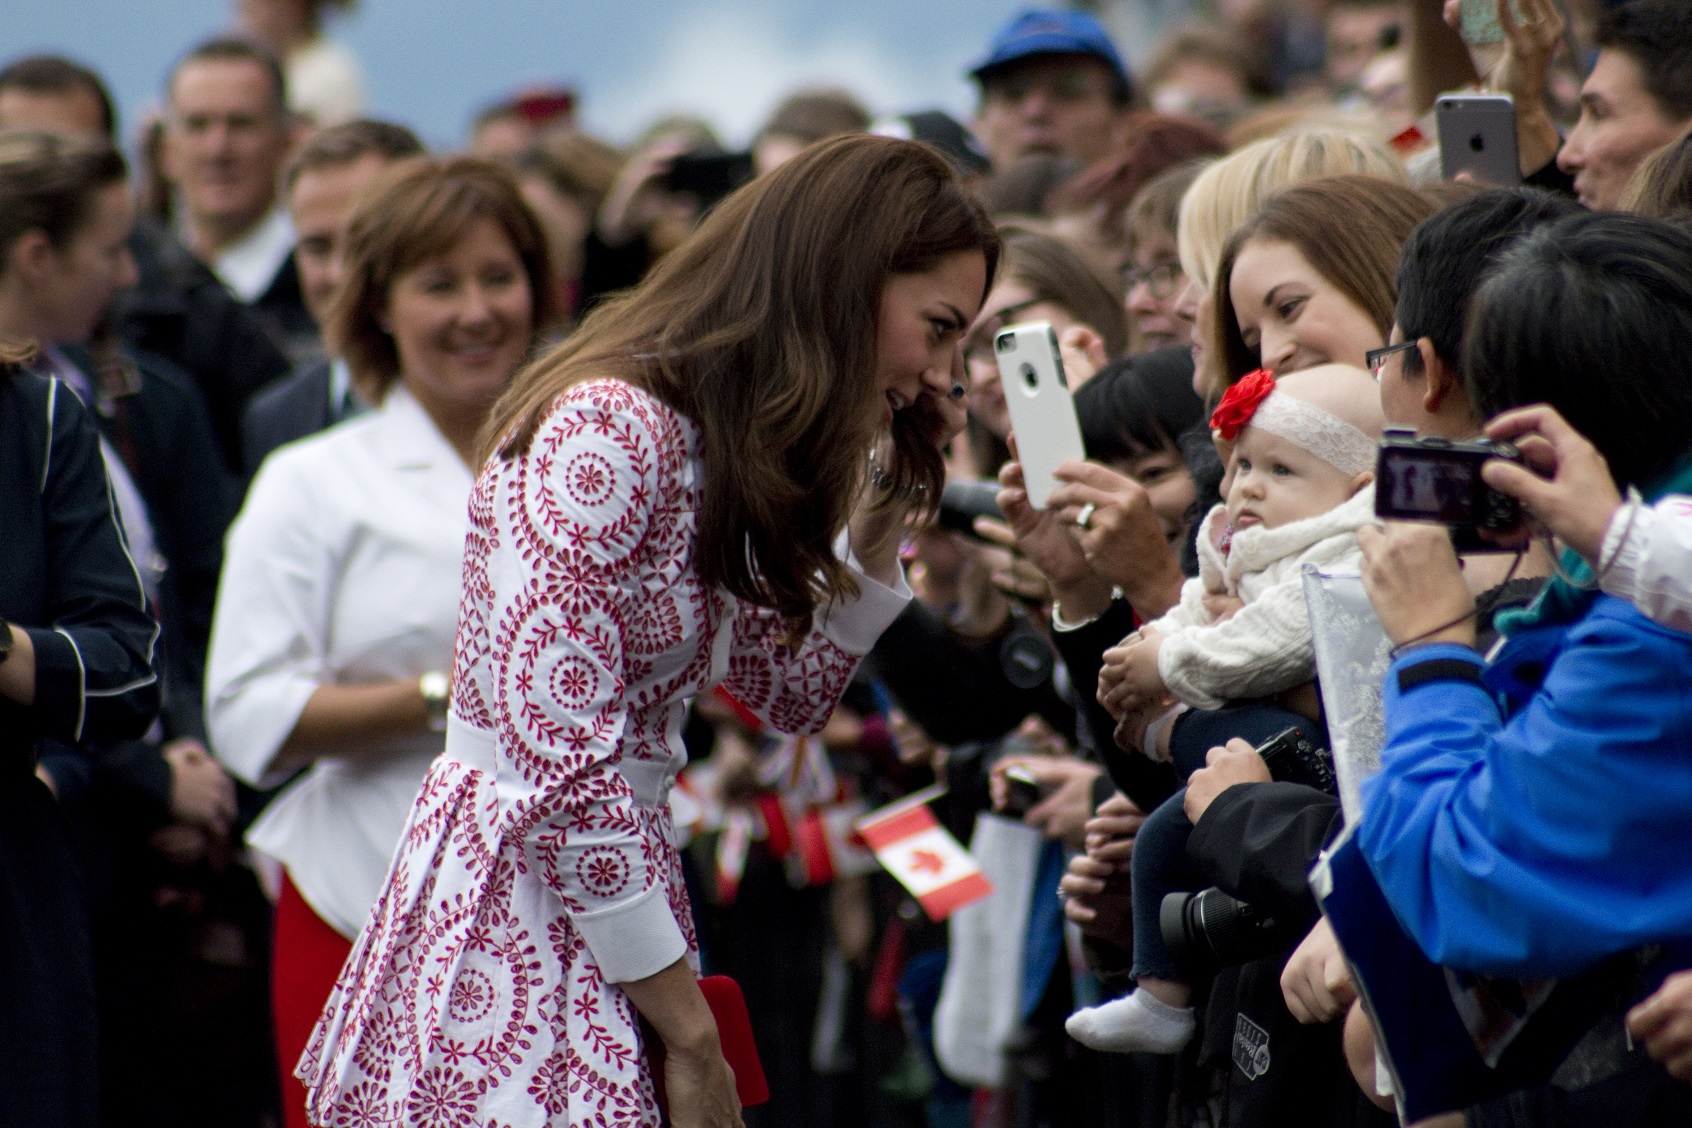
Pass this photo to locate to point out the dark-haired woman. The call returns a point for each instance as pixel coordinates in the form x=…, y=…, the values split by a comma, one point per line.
x=668, y=503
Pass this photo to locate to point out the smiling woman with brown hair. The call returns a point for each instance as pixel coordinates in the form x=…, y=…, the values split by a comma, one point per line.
x=1309, y=280
x=682, y=494
x=340, y=590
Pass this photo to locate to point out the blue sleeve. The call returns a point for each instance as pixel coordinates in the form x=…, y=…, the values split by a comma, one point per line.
x=1539, y=844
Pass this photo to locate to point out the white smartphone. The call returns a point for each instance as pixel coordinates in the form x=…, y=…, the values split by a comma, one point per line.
x=1041, y=410
x=1477, y=135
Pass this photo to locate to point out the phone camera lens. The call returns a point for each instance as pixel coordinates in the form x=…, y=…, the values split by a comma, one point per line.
x=1003, y=342
x=1030, y=378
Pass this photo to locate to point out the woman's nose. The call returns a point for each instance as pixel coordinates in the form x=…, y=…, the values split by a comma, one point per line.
x=1276, y=350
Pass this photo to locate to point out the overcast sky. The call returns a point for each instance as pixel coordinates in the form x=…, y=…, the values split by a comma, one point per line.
x=432, y=63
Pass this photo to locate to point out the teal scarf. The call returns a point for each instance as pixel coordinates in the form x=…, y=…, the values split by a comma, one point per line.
x=1567, y=597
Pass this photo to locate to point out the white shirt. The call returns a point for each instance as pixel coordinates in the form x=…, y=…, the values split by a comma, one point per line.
x=249, y=265
x=343, y=568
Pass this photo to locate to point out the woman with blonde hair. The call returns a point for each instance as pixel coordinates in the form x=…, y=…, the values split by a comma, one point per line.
x=340, y=593
x=1231, y=191
x=706, y=484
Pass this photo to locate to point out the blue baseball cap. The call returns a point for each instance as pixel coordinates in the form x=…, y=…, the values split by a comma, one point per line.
x=1052, y=33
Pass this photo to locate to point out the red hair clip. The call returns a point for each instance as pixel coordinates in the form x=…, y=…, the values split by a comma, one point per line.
x=1240, y=403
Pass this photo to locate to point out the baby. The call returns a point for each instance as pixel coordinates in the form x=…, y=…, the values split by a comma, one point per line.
x=1300, y=486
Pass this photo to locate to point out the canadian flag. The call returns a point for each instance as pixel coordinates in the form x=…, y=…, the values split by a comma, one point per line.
x=912, y=846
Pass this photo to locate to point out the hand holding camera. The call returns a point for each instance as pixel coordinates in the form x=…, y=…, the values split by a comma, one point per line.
x=1566, y=484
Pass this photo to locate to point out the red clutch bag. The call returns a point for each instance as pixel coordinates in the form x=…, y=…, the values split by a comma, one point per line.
x=734, y=1030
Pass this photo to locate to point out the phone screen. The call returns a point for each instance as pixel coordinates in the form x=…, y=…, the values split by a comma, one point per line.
x=1425, y=485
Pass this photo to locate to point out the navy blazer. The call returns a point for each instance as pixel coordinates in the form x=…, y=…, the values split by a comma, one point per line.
x=287, y=410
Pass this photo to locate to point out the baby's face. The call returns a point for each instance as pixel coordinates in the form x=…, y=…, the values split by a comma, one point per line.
x=1276, y=482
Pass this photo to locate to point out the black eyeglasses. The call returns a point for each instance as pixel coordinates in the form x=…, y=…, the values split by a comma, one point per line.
x=1162, y=280
x=1376, y=359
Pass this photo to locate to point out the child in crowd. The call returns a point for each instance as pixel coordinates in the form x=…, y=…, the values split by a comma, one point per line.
x=1302, y=473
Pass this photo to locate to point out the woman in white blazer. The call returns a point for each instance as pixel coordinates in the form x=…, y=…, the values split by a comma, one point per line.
x=339, y=602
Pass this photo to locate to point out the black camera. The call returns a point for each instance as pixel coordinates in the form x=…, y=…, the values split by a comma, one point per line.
x=1210, y=929
x=1293, y=759
x=961, y=502
x=1427, y=478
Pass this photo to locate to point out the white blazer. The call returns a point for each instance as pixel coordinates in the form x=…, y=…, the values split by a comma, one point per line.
x=343, y=568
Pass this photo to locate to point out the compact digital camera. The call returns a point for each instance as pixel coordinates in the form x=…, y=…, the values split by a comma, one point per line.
x=1426, y=478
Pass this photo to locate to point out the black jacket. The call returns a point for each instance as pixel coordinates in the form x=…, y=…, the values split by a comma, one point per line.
x=1257, y=842
x=287, y=410
x=66, y=579
x=180, y=311
x=157, y=422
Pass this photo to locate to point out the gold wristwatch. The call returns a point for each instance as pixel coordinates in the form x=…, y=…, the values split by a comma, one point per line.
x=434, y=687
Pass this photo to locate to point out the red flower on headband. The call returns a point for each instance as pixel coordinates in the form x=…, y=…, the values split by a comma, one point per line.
x=1240, y=402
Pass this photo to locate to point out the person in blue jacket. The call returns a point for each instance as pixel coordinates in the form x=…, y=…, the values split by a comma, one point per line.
x=1533, y=814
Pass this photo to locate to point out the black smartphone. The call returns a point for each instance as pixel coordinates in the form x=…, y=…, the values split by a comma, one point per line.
x=1426, y=478
x=709, y=176
x=1024, y=792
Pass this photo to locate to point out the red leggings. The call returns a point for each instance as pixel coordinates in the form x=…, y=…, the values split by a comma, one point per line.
x=304, y=965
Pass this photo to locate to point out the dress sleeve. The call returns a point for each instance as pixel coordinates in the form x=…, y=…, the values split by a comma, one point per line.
x=270, y=631
x=1539, y=844
x=578, y=511
x=1647, y=559
x=794, y=689
x=94, y=674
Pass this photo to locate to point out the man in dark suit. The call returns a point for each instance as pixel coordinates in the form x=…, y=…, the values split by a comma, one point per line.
x=321, y=186
x=227, y=132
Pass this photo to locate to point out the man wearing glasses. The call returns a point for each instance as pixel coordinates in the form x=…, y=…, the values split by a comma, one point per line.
x=1052, y=83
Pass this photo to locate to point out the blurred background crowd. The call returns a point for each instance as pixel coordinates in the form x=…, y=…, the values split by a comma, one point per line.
x=240, y=252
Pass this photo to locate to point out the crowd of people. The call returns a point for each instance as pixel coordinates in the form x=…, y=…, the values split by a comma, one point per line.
x=451, y=601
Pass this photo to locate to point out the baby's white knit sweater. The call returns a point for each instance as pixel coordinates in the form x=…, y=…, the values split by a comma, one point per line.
x=1265, y=647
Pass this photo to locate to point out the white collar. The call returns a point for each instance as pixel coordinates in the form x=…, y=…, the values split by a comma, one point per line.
x=409, y=438
x=250, y=264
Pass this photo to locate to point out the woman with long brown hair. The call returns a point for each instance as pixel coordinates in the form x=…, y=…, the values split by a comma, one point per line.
x=705, y=484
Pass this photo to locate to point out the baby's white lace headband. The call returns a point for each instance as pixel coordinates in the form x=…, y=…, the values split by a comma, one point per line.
x=1255, y=400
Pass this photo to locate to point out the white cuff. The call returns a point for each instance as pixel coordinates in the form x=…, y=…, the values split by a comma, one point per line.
x=855, y=624
x=635, y=939
x=1623, y=549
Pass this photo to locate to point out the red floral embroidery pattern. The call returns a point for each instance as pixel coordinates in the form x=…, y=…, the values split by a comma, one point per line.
x=471, y=998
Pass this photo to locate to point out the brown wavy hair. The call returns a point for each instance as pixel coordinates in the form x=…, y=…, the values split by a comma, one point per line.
x=762, y=330
x=418, y=209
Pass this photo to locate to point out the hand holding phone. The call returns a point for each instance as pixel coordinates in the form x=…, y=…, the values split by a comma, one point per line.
x=1041, y=408
x=1477, y=137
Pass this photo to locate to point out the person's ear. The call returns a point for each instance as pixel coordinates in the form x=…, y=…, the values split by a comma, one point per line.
x=32, y=257
x=1438, y=377
x=1361, y=480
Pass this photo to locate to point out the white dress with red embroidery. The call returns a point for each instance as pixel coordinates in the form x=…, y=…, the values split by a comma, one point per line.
x=538, y=868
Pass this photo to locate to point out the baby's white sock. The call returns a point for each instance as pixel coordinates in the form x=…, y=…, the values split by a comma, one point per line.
x=1138, y=1023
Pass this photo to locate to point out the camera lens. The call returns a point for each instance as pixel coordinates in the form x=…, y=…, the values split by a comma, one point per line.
x=1212, y=929
x=1030, y=378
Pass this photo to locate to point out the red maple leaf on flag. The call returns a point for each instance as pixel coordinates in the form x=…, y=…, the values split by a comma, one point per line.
x=927, y=861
